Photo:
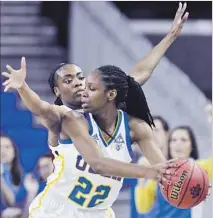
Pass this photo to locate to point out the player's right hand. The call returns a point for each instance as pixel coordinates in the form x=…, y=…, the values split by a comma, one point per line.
x=16, y=78
x=160, y=173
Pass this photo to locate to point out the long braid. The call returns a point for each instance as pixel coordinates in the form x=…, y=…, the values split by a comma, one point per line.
x=130, y=96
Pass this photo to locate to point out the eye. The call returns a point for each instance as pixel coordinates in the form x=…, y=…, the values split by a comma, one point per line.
x=81, y=77
x=92, y=89
x=67, y=81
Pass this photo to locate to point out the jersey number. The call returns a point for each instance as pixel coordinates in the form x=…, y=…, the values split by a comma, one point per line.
x=81, y=191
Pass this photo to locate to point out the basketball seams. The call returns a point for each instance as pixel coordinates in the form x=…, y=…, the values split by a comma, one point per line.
x=202, y=186
x=175, y=171
x=187, y=185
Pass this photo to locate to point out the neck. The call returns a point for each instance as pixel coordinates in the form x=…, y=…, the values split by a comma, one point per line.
x=106, y=117
x=74, y=107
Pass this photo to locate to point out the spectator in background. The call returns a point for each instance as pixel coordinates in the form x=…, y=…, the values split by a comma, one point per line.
x=11, y=176
x=149, y=200
x=34, y=183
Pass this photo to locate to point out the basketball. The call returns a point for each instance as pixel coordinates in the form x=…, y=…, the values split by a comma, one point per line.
x=189, y=186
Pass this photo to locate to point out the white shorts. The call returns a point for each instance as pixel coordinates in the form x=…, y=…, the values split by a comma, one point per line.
x=53, y=205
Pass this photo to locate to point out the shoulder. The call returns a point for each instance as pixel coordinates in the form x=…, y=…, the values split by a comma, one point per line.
x=75, y=118
x=139, y=129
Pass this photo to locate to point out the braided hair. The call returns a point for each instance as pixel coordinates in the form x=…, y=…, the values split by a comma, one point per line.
x=130, y=96
x=53, y=82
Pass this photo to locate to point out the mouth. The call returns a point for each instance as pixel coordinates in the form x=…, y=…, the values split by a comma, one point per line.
x=84, y=105
x=79, y=92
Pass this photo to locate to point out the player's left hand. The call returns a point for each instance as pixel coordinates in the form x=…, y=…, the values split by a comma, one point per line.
x=179, y=20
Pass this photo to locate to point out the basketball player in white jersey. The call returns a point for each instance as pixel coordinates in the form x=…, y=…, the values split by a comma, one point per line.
x=102, y=196
x=75, y=189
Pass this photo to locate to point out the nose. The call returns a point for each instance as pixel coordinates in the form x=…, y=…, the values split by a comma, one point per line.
x=77, y=82
x=85, y=94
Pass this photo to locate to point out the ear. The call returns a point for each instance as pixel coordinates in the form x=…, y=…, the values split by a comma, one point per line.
x=57, y=92
x=111, y=95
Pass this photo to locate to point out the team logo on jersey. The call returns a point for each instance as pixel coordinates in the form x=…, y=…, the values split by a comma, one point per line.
x=119, y=142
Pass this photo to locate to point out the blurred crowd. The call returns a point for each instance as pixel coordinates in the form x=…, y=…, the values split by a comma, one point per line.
x=180, y=143
x=19, y=188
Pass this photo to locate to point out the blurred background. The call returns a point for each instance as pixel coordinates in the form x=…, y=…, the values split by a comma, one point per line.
x=91, y=34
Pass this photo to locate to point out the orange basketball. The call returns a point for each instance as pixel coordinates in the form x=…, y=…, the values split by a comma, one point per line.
x=189, y=186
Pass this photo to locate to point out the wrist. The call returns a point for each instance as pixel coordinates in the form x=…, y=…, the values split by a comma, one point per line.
x=22, y=87
x=144, y=171
x=171, y=36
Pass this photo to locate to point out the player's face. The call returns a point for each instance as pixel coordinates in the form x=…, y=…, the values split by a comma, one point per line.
x=45, y=167
x=7, y=150
x=160, y=136
x=180, y=144
x=95, y=96
x=71, y=84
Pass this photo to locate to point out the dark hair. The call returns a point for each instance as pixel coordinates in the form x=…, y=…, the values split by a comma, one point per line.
x=53, y=83
x=130, y=96
x=16, y=171
x=163, y=122
x=194, y=153
x=46, y=155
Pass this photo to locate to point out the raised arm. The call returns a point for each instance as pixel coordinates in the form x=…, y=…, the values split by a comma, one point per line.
x=88, y=148
x=16, y=80
x=144, y=68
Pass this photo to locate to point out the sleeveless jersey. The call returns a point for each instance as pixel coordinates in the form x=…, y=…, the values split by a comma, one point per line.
x=74, y=179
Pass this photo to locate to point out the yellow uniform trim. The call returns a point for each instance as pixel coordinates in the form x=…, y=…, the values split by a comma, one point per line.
x=145, y=196
x=115, y=130
x=111, y=213
x=206, y=164
x=48, y=186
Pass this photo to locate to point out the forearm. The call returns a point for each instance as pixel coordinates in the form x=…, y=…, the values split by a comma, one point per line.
x=31, y=100
x=7, y=193
x=108, y=166
x=144, y=68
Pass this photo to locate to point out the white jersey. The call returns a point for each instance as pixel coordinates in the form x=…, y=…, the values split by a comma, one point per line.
x=75, y=180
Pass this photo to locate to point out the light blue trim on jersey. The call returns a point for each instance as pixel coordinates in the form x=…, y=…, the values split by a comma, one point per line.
x=69, y=141
x=128, y=138
x=65, y=141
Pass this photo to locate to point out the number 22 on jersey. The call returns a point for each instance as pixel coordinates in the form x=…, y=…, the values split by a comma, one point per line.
x=80, y=193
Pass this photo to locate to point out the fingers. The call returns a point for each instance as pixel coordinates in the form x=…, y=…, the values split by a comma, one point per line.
x=10, y=69
x=6, y=82
x=23, y=63
x=180, y=11
x=7, y=88
x=5, y=74
x=185, y=17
